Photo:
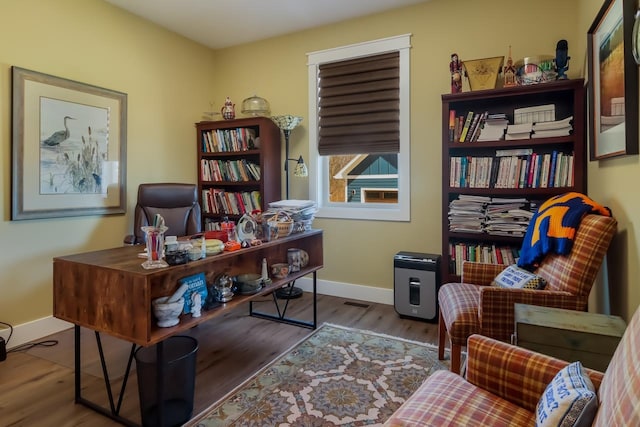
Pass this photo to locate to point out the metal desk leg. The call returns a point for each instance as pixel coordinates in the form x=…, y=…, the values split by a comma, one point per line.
x=280, y=317
x=113, y=411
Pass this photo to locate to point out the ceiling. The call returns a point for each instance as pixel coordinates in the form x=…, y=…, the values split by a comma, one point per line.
x=224, y=23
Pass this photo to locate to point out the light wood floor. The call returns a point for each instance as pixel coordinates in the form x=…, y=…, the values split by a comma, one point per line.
x=37, y=386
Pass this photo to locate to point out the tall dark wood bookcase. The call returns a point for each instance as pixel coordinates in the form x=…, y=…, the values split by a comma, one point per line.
x=221, y=142
x=568, y=97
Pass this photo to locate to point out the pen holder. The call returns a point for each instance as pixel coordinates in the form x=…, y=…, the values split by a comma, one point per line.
x=154, y=237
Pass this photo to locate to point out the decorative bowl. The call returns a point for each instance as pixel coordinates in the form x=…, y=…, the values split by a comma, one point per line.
x=280, y=270
x=195, y=253
x=249, y=283
x=168, y=314
x=179, y=256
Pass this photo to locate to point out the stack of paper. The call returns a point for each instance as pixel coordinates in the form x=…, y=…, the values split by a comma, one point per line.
x=507, y=217
x=467, y=214
x=553, y=129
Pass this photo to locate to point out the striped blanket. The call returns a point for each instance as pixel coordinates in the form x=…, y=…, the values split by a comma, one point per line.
x=553, y=227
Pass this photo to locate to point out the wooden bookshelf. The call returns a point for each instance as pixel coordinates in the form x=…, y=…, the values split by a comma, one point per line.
x=239, y=167
x=568, y=97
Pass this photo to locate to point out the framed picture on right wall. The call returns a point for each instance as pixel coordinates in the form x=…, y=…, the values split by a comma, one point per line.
x=613, y=82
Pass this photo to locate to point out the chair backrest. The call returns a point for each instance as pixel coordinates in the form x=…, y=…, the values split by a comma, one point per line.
x=177, y=203
x=619, y=400
x=576, y=272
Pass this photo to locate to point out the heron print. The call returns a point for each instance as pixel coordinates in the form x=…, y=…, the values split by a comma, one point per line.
x=73, y=147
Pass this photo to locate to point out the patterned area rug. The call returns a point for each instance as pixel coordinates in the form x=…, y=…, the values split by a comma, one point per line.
x=335, y=377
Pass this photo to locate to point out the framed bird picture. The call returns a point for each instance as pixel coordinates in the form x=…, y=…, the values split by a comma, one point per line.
x=68, y=147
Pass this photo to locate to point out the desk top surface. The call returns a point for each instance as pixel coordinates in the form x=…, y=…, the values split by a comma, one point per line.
x=125, y=258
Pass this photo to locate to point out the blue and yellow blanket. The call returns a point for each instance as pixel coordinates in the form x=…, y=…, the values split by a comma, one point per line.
x=553, y=227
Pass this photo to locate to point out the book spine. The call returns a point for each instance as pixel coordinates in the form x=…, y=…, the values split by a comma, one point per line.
x=472, y=127
x=452, y=125
x=552, y=169
x=467, y=124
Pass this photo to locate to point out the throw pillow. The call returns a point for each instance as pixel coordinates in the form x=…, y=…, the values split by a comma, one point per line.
x=569, y=400
x=518, y=278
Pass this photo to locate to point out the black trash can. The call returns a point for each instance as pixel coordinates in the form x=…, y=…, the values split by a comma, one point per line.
x=179, y=354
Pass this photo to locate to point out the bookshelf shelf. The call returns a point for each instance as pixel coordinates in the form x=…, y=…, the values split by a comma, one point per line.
x=229, y=151
x=567, y=97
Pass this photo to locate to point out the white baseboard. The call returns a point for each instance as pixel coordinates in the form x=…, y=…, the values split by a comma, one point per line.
x=38, y=329
x=348, y=290
x=34, y=330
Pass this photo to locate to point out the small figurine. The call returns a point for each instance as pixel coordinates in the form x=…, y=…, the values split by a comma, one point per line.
x=562, y=59
x=228, y=111
x=510, y=72
x=196, y=304
x=455, y=67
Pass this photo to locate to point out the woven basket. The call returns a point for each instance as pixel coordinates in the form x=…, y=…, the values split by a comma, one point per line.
x=284, y=225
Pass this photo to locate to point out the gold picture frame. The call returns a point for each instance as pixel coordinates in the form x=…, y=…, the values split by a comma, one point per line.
x=68, y=148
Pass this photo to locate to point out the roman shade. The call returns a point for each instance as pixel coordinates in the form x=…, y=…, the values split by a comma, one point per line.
x=359, y=106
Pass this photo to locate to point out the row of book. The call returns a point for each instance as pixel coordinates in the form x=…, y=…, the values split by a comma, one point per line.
x=229, y=170
x=494, y=216
x=219, y=201
x=477, y=252
x=467, y=128
x=485, y=126
x=226, y=140
x=522, y=169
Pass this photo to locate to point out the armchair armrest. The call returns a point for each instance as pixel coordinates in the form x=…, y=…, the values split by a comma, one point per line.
x=496, y=311
x=480, y=273
x=513, y=373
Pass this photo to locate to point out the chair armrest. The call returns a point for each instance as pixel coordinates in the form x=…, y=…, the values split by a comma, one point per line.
x=513, y=373
x=480, y=273
x=496, y=311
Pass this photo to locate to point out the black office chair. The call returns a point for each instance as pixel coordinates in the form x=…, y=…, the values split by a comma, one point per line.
x=177, y=203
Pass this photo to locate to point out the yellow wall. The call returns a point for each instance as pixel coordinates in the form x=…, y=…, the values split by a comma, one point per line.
x=361, y=252
x=170, y=81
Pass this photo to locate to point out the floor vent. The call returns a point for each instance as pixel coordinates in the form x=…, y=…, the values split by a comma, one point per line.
x=357, y=304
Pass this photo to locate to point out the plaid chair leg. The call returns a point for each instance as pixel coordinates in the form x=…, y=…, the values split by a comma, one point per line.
x=458, y=319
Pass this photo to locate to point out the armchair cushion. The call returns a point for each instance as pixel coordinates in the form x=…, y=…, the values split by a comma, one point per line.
x=514, y=277
x=569, y=400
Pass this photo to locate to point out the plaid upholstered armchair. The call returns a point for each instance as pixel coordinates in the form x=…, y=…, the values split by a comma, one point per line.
x=504, y=384
x=473, y=307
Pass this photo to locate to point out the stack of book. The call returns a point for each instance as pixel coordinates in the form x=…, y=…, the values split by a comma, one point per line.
x=553, y=129
x=493, y=127
x=521, y=131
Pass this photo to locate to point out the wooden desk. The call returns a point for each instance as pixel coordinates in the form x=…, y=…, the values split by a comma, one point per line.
x=109, y=291
x=570, y=335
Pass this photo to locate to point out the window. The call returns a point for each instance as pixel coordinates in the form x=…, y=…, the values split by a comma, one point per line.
x=359, y=130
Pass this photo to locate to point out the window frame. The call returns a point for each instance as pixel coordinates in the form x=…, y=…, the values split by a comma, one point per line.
x=319, y=165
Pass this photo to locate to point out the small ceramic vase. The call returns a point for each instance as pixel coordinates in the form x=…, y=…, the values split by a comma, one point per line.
x=228, y=111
